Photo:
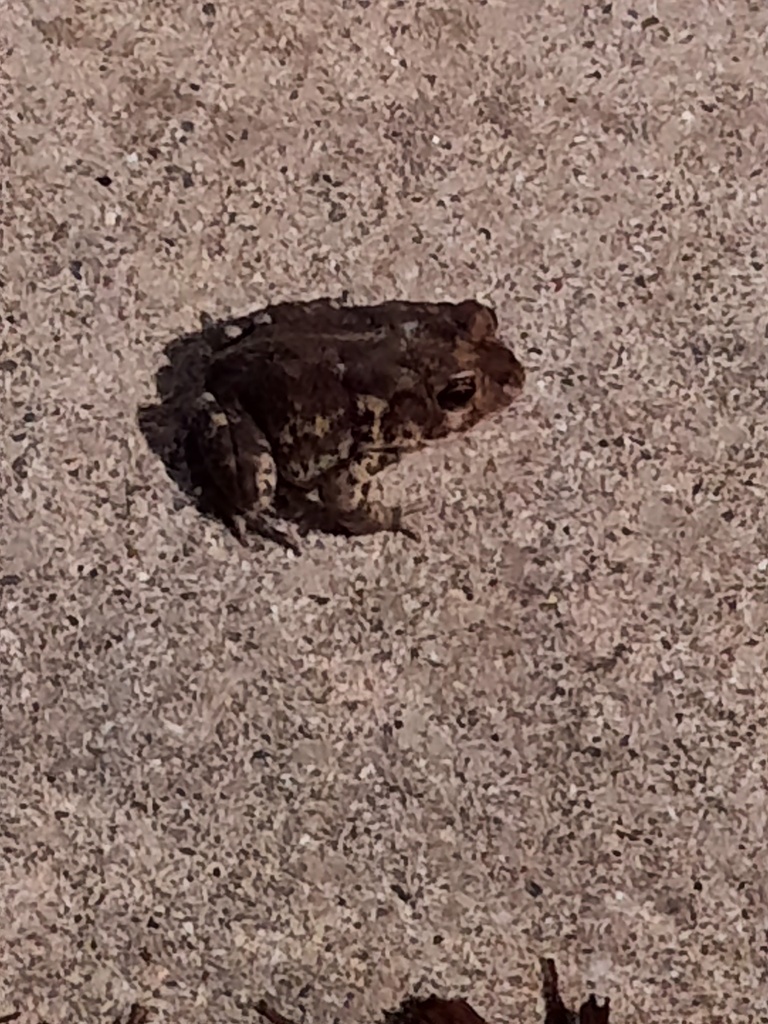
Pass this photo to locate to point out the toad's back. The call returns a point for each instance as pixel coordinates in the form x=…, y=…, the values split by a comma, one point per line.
x=282, y=376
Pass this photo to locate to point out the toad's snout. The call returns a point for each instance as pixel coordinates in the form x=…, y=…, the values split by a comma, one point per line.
x=515, y=380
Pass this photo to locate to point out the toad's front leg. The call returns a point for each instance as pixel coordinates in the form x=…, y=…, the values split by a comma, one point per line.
x=238, y=466
x=345, y=496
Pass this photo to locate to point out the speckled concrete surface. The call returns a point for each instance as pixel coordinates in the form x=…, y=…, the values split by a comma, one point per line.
x=381, y=768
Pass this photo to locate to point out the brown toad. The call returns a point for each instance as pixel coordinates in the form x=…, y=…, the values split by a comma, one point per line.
x=321, y=397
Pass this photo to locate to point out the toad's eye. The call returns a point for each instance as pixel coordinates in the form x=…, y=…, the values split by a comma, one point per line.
x=458, y=392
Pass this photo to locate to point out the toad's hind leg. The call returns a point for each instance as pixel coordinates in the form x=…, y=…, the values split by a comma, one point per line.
x=237, y=462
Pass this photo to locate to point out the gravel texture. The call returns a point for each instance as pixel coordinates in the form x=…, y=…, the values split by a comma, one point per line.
x=382, y=768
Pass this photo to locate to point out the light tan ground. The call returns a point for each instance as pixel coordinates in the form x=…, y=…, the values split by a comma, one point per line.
x=334, y=779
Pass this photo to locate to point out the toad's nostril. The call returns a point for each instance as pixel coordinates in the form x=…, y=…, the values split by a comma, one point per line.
x=514, y=386
x=518, y=376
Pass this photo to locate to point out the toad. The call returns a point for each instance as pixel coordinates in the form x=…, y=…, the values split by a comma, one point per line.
x=317, y=399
